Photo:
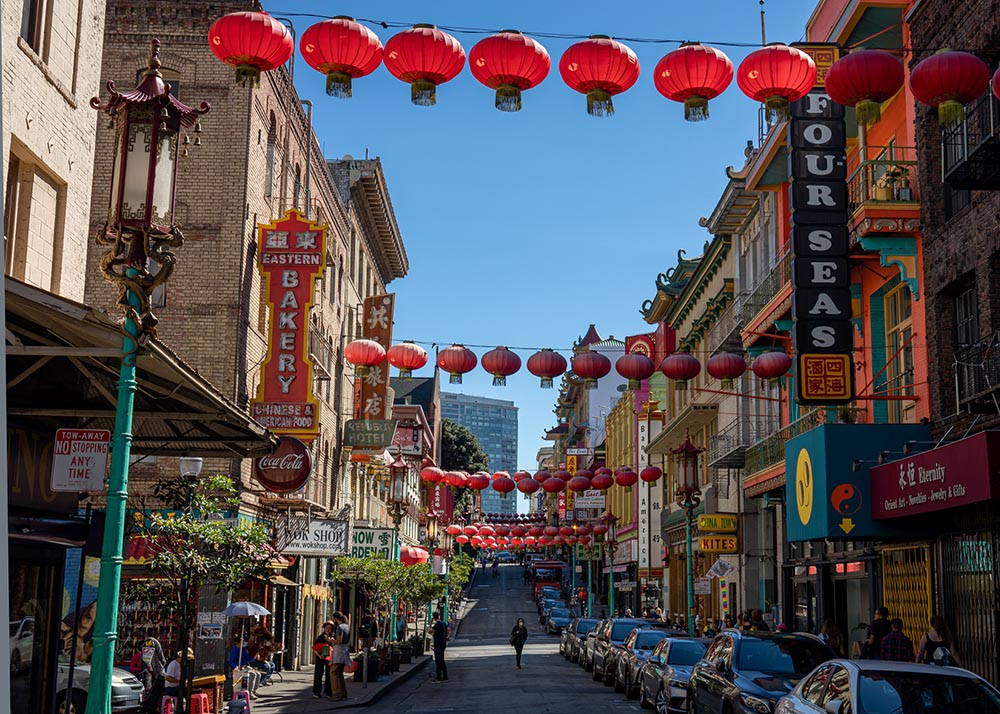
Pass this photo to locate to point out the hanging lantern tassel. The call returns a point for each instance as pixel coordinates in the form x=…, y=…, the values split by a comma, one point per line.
x=727, y=383
x=868, y=111
x=696, y=109
x=634, y=384
x=590, y=383
x=245, y=73
x=455, y=378
x=599, y=105
x=508, y=98
x=499, y=380
x=338, y=84
x=423, y=93
x=681, y=385
x=777, y=107
x=361, y=370
x=950, y=112
x=546, y=382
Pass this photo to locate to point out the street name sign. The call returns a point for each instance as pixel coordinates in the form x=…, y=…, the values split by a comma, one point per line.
x=718, y=523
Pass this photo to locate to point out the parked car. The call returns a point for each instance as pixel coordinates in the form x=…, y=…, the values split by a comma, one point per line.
x=126, y=689
x=748, y=672
x=587, y=647
x=663, y=677
x=548, y=605
x=610, y=634
x=573, y=637
x=632, y=655
x=556, y=619
x=22, y=639
x=873, y=687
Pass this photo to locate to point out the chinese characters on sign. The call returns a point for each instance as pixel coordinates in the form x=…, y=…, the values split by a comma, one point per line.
x=376, y=325
x=822, y=335
x=371, y=543
x=442, y=502
x=292, y=257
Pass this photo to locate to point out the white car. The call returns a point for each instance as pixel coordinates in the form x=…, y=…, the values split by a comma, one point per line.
x=22, y=639
x=843, y=686
x=126, y=689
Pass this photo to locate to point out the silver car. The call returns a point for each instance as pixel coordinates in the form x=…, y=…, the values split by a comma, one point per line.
x=126, y=690
x=843, y=686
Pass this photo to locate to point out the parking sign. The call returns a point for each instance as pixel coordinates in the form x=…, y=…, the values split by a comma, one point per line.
x=80, y=459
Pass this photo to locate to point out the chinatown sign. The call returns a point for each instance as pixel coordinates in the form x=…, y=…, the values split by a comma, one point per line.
x=287, y=469
x=957, y=474
x=822, y=334
x=291, y=257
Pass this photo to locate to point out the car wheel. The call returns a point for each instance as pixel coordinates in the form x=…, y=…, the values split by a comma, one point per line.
x=77, y=703
x=631, y=690
x=609, y=677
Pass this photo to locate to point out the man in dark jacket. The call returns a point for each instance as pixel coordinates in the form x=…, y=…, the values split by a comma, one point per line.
x=440, y=632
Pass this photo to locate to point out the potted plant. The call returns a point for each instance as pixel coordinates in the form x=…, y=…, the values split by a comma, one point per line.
x=897, y=179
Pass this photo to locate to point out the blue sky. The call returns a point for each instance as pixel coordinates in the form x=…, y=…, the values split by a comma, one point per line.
x=521, y=229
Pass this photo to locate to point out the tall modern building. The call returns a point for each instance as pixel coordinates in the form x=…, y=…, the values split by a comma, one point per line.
x=494, y=422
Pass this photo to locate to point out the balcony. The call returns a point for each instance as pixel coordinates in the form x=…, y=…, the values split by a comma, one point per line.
x=970, y=150
x=724, y=334
x=770, y=451
x=321, y=353
x=882, y=192
x=766, y=290
x=727, y=449
x=977, y=375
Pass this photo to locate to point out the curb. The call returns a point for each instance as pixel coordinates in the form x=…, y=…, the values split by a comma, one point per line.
x=382, y=691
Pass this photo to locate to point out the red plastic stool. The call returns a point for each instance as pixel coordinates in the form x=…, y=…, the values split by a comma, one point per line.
x=199, y=704
x=167, y=704
x=245, y=696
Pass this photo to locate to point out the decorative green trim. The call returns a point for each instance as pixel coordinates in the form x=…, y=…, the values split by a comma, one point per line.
x=714, y=307
x=783, y=325
x=876, y=308
x=900, y=251
x=859, y=321
x=711, y=264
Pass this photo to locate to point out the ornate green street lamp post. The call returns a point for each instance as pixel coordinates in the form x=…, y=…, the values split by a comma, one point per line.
x=397, y=495
x=140, y=235
x=688, y=495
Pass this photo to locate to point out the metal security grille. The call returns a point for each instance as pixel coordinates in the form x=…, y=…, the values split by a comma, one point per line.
x=969, y=598
x=906, y=587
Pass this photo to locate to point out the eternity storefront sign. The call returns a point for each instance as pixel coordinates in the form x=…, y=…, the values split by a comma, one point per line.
x=963, y=472
x=822, y=334
x=291, y=257
x=322, y=538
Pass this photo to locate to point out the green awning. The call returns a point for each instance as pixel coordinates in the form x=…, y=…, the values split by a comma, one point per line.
x=675, y=518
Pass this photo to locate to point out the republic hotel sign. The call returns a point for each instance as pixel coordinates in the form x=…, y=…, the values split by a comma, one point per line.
x=822, y=335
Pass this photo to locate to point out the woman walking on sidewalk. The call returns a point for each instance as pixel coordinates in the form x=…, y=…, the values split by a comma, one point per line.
x=340, y=657
x=518, y=636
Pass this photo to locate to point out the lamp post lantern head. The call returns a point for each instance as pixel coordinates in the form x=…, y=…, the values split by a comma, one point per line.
x=397, y=481
x=190, y=465
x=687, y=476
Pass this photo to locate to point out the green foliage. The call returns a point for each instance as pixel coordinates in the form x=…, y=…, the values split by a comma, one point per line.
x=460, y=569
x=460, y=449
x=380, y=579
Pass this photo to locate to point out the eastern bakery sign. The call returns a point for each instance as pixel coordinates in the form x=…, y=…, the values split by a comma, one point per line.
x=291, y=257
x=963, y=472
x=822, y=335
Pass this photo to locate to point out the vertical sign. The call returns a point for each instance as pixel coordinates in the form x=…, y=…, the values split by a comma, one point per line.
x=645, y=495
x=291, y=257
x=567, y=494
x=377, y=326
x=822, y=335
x=442, y=502
x=561, y=504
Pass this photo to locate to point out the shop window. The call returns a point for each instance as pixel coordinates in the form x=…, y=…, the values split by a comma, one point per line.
x=955, y=200
x=899, y=353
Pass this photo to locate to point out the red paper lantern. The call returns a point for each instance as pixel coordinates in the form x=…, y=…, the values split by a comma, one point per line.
x=503, y=485
x=651, y=474
x=252, y=42
x=727, y=367
x=592, y=366
x=627, y=478
x=510, y=63
x=562, y=475
x=456, y=361
x=342, y=49
x=600, y=68
x=693, y=74
x=462, y=539
x=863, y=80
x=540, y=476
x=471, y=530
x=995, y=84
x=424, y=57
x=553, y=485
x=547, y=365
x=551, y=531
x=501, y=363
x=503, y=531
x=406, y=357
x=772, y=366
x=535, y=531
x=776, y=75
x=364, y=354
x=519, y=475
x=949, y=80
x=600, y=529
x=566, y=530
x=680, y=367
x=578, y=483
x=453, y=530
x=456, y=479
x=478, y=481
x=602, y=481
x=544, y=540
x=635, y=368
x=486, y=531
x=519, y=531
x=584, y=539
x=583, y=530
x=432, y=474
x=528, y=485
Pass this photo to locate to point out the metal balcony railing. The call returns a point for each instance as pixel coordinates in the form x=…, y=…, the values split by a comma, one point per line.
x=724, y=334
x=764, y=291
x=886, y=175
x=322, y=355
x=977, y=369
x=727, y=449
x=770, y=451
x=970, y=148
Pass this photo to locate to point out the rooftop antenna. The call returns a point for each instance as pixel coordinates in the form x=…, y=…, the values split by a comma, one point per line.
x=763, y=31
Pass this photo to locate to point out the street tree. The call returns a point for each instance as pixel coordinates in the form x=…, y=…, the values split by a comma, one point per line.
x=460, y=449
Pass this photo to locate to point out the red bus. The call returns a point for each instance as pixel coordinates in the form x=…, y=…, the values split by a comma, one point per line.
x=546, y=572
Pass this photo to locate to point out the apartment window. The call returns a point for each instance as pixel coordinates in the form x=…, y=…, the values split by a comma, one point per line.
x=272, y=142
x=966, y=318
x=955, y=200
x=35, y=20
x=899, y=352
x=33, y=226
x=331, y=281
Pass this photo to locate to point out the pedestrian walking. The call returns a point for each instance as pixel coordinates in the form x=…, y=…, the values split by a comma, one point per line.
x=518, y=636
x=877, y=630
x=440, y=642
x=496, y=567
x=148, y=664
x=322, y=651
x=340, y=656
x=833, y=637
x=938, y=645
x=896, y=647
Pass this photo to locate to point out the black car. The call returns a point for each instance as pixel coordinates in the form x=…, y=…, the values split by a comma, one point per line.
x=556, y=619
x=748, y=672
x=638, y=646
x=663, y=677
x=611, y=633
x=571, y=642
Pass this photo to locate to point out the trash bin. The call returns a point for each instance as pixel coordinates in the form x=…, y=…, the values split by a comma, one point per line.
x=374, y=664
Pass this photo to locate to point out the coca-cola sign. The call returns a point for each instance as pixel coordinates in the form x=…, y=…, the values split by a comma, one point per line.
x=287, y=469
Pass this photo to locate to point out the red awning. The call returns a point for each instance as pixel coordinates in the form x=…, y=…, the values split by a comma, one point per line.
x=413, y=555
x=139, y=551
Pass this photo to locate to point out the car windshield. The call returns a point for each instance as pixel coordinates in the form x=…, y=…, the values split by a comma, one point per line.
x=889, y=692
x=586, y=625
x=685, y=653
x=781, y=655
x=620, y=630
x=647, y=640
x=559, y=612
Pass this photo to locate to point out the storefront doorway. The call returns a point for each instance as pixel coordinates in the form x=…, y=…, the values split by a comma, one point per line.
x=35, y=618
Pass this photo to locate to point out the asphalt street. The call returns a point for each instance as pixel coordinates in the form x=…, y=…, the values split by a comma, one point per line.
x=481, y=673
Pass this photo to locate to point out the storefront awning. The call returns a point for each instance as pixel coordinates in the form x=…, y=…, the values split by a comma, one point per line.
x=693, y=416
x=282, y=580
x=63, y=360
x=413, y=555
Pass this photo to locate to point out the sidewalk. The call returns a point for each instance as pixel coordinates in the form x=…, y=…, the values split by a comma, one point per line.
x=294, y=694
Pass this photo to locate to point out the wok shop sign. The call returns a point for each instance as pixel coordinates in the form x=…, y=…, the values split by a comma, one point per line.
x=291, y=257
x=822, y=335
